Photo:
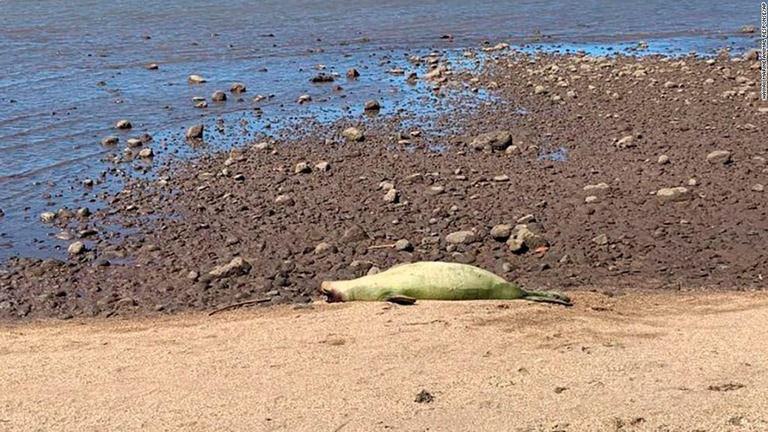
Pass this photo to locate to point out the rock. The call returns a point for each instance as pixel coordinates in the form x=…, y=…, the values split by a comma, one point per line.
x=752, y=55
x=2, y=213
x=600, y=240
x=125, y=302
x=461, y=237
x=123, y=124
x=47, y=217
x=627, y=141
x=195, y=79
x=403, y=245
x=134, y=142
x=539, y=89
x=719, y=157
x=597, y=188
x=83, y=212
x=195, y=131
x=373, y=270
x=352, y=73
x=530, y=240
x=501, y=232
x=496, y=140
x=674, y=194
x=692, y=182
x=513, y=149
x=591, y=199
x=238, y=266
x=663, y=160
x=193, y=275
x=758, y=187
x=385, y=185
x=284, y=200
x=747, y=29
x=201, y=104
x=372, y=105
x=262, y=146
x=88, y=183
x=153, y=66
x=501, y=178
x=392, y=196
x=435, y=190
x=321, y=78
x=237, y=87
x=323, y=248
x=64, y=213
x=516, y=245
x=302, y=168
x=76, y=248
x=219, y=96
x=146, y=153
x=110, y=140
x=304, y=99
x=353, y=134
x=354, y=234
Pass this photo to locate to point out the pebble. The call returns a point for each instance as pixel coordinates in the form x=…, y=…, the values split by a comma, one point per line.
x=372, y=105
x=123, y=124
x=373, y=270
x=513, y=149
x=134, y=142
x=719, y=157
x=219, y=96
x=674, y=194
x=353, y=134
x=237, y=87
x=304, y=99
x=110, y=140
x=302, y=168
x=627, y=141
x=64, y=235
x=597, y=188
x=461, y=237
x=352, y=73
x=385, y=185
x=663, y=160
x=153, y=66
x=323, y=166
x=591, y=199
x=501, y=178
x=392, y=196
x=323, y=247
x=238, y=266
x=435, y=190
x=83, y=212
x=195, y=131
x=501, y=232
x=262, y=146
x=193, y=275
x=539, y=89
x=758, y=187
x=88, y=183
x=201, y=104
x=692, y=182
x=600, y=240
x=76, y=248
x=403, y=245
x=195, y=79
x=284, y=200
x=495, y=140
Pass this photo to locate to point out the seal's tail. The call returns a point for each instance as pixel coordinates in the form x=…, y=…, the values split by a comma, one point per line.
x=548, y=297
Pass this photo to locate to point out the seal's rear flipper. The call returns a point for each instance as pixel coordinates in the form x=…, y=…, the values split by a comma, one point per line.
x=400, y=299
x=548, y=297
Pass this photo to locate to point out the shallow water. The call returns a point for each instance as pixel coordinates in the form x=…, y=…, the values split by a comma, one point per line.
x=54, y=55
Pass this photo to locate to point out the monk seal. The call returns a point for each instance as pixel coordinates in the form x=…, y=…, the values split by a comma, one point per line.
x=433, y=280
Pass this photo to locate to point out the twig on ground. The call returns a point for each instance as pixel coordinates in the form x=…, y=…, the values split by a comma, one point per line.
x=384, y=246
x=240, y=304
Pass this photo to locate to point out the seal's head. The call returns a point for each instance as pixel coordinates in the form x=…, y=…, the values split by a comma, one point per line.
x=331, y=293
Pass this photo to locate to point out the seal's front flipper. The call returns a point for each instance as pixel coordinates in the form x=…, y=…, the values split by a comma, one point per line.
x=400, y=299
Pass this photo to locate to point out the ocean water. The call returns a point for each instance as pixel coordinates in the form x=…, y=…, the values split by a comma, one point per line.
x=70, y=69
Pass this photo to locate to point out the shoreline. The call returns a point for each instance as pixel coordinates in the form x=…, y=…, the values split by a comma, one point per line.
x=572, y=121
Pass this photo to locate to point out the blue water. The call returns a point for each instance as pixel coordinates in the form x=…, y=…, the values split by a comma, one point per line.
x=54, y=54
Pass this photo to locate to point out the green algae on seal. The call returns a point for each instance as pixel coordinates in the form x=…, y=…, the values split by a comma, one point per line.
x=432, y=280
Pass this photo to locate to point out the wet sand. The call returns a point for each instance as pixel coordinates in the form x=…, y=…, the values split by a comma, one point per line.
x=639, y=362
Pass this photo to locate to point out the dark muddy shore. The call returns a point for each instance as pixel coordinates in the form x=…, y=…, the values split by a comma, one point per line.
x=580, y=172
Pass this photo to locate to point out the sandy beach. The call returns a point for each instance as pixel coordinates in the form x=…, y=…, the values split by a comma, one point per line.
x=637, y=362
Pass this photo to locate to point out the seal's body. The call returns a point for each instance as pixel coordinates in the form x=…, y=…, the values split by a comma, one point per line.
x=431, y=280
